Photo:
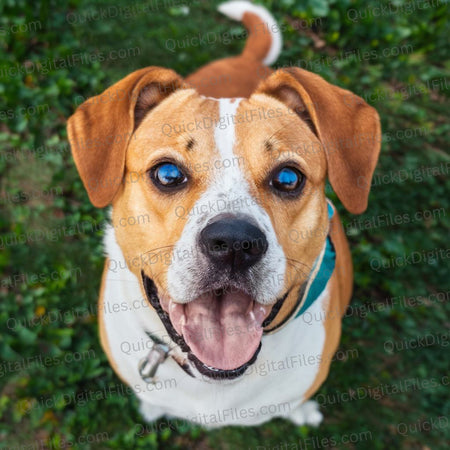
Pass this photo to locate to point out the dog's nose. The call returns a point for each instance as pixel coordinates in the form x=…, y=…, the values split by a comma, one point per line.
x=232, y=242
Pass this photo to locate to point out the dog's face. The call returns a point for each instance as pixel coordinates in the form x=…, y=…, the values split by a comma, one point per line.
x=222, y=204
x=224, y=183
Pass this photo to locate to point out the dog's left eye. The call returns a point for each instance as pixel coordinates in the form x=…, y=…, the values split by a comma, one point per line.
x=167, y=176
x=287, y=180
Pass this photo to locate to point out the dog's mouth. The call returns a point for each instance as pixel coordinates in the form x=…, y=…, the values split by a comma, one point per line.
x=221, y=331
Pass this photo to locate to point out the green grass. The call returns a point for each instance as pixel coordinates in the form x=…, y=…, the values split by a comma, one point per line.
x=52, y=312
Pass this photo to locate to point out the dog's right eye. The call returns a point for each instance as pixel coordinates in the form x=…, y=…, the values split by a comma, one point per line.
x=168, y=176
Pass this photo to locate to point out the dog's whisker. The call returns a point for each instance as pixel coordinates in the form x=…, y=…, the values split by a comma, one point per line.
x=299, y=270
x=291, y=261
x=277, y=131
x=158, y=248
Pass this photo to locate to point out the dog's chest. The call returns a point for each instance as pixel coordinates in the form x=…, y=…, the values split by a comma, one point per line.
x=274, y=385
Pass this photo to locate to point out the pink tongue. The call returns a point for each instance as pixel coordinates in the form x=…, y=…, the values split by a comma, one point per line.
x=222, y=332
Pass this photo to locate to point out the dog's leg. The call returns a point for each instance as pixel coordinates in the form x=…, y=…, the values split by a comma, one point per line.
x=306, y=414
x=150, y=412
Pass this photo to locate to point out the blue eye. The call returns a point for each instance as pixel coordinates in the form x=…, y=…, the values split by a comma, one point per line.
x=287, y=179
x=168, y=175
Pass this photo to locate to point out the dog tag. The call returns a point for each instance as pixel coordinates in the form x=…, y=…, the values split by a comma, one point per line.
x=148, y=366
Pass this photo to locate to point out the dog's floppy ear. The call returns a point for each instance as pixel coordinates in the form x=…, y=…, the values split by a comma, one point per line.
x=348, y=128
x=101, y=128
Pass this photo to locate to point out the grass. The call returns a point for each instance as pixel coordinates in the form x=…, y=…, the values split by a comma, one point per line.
x=51, y=258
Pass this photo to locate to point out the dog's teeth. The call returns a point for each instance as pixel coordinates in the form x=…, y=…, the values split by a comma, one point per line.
x=261, y=312
x=252, y=315
x=182, y=320
x=174, y=305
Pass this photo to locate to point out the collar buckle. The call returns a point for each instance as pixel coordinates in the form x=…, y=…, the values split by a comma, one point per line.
x=149, y=365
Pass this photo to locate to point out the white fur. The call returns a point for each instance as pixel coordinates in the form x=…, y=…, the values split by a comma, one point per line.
x=257, y=395
x=266, y=278
x=236, y=9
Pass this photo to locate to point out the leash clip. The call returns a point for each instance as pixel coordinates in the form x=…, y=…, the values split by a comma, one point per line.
x=148, y=366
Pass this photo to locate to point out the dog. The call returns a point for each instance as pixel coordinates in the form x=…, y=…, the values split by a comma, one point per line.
x=222, y=240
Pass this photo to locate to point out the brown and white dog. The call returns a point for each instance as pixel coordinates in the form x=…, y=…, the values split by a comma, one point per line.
x=226, y=302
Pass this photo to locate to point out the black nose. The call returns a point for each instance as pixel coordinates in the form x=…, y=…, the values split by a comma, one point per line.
x=233, y=242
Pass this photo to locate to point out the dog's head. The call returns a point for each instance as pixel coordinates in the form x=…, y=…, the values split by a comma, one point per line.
x=222, y=184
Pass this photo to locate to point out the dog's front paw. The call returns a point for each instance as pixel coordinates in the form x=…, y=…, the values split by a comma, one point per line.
x=307, y=414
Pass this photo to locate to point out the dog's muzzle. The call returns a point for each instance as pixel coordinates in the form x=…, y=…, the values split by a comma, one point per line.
x=222, y=327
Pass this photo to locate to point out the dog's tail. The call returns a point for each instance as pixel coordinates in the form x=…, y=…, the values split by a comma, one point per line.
x=264, y=42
